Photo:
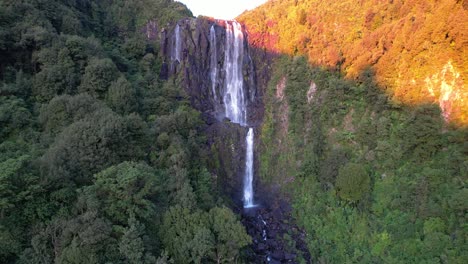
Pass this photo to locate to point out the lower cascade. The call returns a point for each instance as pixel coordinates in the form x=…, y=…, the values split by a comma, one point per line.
x=248, y=177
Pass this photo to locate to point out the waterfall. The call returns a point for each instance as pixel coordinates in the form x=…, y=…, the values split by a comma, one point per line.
x=176, y=54
x=248, y=178
x=234, y=96
x=213, y=64
x=234, y=103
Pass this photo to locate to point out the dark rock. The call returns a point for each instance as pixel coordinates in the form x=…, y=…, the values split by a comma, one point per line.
x=279, y=255
x=261, y=247
x=288, y=256
x=164, y=74
x=209, y=118
x=274, y=261
x=196, y=59
x=272, y=234
x=271, y=243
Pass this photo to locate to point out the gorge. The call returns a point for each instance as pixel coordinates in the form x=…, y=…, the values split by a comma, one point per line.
x=232, y=105
x=308, y=131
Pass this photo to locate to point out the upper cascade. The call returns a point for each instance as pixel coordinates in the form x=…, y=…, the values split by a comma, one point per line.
x=213, y=64
x=234, y=94
x=218, y=72
x=177, y=47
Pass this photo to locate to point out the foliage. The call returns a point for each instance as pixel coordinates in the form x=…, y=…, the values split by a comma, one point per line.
x=94, y=147
x=214, y=236
x=352, y=182
x=370, y=181
x=415, y=47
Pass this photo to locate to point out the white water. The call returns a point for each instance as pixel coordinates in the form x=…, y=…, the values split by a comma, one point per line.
x=234, y=103
x=234, y=98
x=248, y=178
x=213, y=64
x=178, y=45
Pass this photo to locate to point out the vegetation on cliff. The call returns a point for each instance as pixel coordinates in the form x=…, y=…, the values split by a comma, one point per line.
x=370, y=182
x=100, y=160
x=416, y=48
x=365, y=125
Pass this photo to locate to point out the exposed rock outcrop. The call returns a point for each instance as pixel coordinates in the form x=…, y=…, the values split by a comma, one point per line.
x=194, y=65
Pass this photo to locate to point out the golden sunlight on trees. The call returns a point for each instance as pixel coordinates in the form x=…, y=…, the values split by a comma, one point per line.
x=417, y=49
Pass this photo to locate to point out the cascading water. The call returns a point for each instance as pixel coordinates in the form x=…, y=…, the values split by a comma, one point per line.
x=176, y=54
x=213, y=64
x=234, y=97
x=234, y=103
x=219, y=75
x=248, y=178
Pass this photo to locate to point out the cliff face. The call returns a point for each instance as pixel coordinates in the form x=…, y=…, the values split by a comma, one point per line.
x=191, y=61
x=410, y=46
x=195, y=54
x=357, y=128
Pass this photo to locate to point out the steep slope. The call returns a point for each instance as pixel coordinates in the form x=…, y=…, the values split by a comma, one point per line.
x=363, y=152
x=101, y=160
x=417, y=49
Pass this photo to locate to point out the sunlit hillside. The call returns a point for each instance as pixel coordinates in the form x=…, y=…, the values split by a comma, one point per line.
x=417, y=49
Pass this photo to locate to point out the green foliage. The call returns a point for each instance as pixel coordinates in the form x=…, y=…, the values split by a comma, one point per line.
x=229, y=234
x=94, y=147
x=125, y=189
x=372, y=182
x=90, y=145
x=132, y=246
x=121, y=97
x=14, y=116
x=353, y=182
x=98, y=76
x=203, y=236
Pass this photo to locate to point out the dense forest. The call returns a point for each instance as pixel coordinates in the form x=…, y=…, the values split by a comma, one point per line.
x=370, y=182
x=363, y=132
x=375, y=167
x=100, y=160
x=417, y=48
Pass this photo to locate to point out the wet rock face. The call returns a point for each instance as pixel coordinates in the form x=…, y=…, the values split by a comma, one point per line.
x=194, y=65
x=227, y=157
x=191, y=52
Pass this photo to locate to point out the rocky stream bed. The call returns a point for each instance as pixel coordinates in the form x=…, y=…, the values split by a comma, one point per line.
x=276, y=238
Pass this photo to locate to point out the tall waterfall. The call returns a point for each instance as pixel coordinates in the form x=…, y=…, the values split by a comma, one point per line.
x=219, y=77
x=213, y=64
x=234, y=103
x=176, y=54
x=234, y=99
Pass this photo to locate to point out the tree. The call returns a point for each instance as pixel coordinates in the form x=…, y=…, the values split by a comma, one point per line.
x=14, y=116
x=57, y=76
x=121, y=96
x=126, y=189
x=98, y=76
x=193, y=237
x=63, y=110
x=184, y=235
x=353, y=182
x=229, y=235
x=131, y=244
x=92, y=144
